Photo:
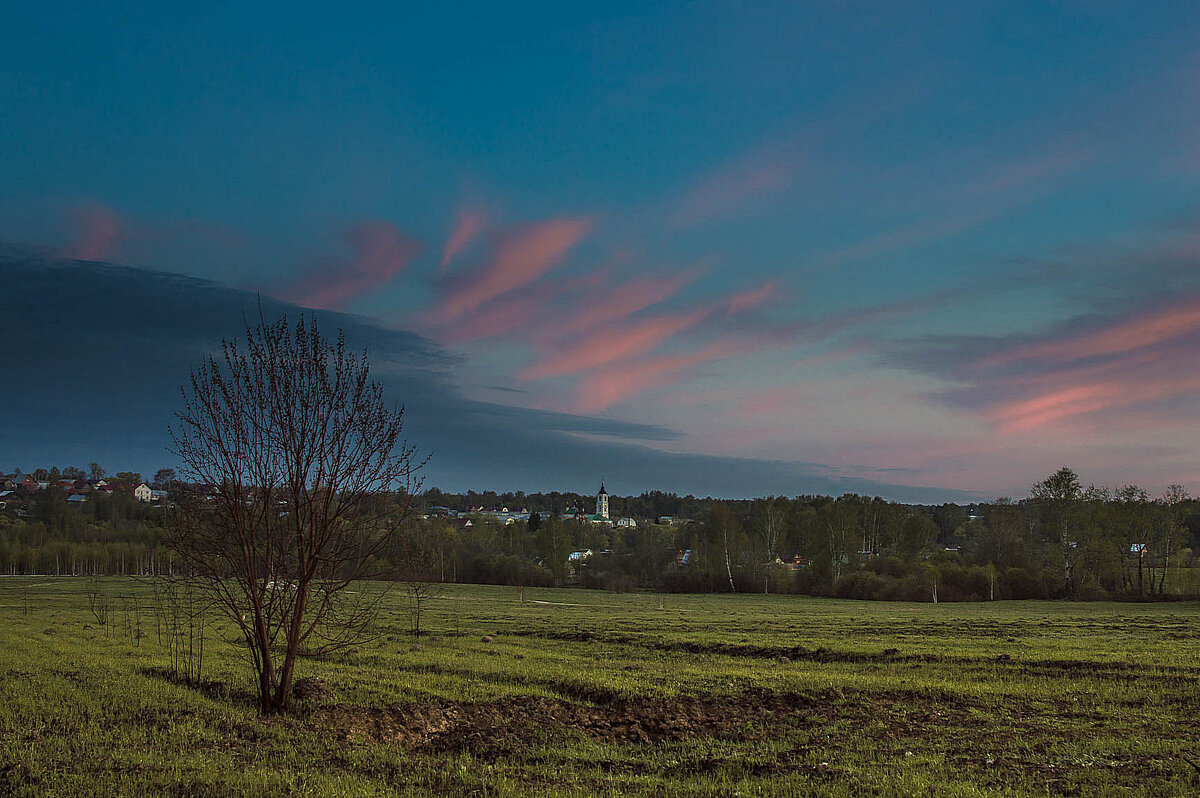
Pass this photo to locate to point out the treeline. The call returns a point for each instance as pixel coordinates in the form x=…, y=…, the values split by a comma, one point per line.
x=110, y=535
x=1063, y=541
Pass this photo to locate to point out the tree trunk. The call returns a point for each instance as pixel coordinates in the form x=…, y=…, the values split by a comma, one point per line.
x=728, y=566
x=283, y=691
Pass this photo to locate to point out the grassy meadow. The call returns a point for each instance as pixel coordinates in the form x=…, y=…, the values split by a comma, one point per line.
x=572, y=692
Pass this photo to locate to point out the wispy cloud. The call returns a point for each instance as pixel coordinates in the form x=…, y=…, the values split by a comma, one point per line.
x=748, y=179
x=623, y=300
x=519, y=256
x=99, y=232
x=468, y=225
x=768, y=400
x=775, y=165
x=985, y=197
x=1142, y=330
x=504, y=315
x=748, y=300
x=1097, y=375
x=612, y=344
x=830, y=358
x=616, y=363
x=380, y=252
x=1073, y=403
x=604, y=388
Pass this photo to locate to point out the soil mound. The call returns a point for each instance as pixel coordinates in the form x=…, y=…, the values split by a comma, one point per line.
x=312, y=688
x=452, y=725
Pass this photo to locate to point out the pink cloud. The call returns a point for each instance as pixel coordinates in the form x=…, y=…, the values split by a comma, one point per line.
x=1137, y=387
x=466, y=228
x=1007, y=186
x=381, y=252
x=905, y=237
x=728, y=190
x=606, y=387
x=504, y=314
x=622, y=301
x=1057, y=405
x=768, y=401
x=1061, y=160
x=830, y=358
x=100, y=232
x=519, y=257
x=612, y=344
x=772, y=167
x=748, y=300
x=614, y=353
x=1143, y=330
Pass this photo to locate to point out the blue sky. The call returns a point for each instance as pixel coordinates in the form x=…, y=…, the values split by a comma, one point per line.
x=839, y=238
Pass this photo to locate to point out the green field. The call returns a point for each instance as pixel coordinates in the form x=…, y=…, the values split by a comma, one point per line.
x=589, y=693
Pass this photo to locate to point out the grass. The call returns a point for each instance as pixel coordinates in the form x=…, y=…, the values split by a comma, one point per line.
x=587, y=693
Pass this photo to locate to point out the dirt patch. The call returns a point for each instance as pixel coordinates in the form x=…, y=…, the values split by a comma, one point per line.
x=452, y=725
x=1043, y=667
x=313, y=688
x=793, y=653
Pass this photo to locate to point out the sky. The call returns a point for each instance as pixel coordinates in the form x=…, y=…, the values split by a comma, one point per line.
x=928, y=251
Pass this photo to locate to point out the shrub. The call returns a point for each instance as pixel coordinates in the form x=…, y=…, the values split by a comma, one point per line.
x=1018, y=583
x=860, y=585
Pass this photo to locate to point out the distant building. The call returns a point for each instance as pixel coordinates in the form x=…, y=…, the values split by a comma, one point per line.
x=602, y=502
x=143, y=493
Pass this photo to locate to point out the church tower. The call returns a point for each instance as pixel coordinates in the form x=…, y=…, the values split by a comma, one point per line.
x=602, y=502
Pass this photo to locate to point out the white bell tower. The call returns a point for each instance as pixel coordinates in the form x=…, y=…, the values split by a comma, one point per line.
x=602, y=501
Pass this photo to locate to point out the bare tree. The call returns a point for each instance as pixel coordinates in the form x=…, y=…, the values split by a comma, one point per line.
x=300, y=480
x=769, y=516
x=182, y=612
x=1170, y=531
x=419, y=555
x=98, y=603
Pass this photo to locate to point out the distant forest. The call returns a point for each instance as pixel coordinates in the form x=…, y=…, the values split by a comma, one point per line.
x=1062, y=541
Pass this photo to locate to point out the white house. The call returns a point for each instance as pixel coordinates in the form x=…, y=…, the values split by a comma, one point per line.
x=143, y=493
